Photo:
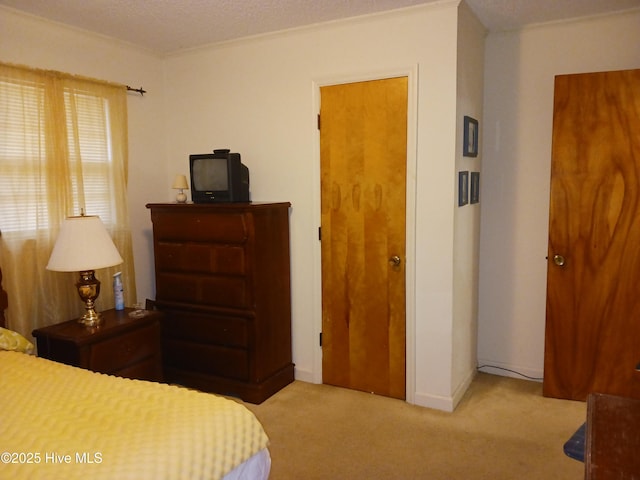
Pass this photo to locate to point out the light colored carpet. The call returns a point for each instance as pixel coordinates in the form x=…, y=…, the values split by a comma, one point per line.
x=502, y=429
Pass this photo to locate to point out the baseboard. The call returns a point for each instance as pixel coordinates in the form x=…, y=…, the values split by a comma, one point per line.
x=436, y=402
x=445, y=403
x=304, y=375
x=463, y=387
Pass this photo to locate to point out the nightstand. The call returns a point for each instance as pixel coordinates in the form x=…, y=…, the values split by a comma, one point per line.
x=122, y=345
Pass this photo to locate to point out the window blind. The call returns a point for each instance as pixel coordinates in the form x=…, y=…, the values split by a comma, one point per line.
x=23, y=146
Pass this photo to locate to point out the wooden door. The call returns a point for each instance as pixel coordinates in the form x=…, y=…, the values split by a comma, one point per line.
x=592, y=337
x=363, y=141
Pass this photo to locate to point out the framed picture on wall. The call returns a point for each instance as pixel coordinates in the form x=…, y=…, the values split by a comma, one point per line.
x=470, y=148
x=474, y=187
x=463, y=188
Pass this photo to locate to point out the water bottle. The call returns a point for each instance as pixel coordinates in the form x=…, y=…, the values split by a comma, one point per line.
x=118, y=293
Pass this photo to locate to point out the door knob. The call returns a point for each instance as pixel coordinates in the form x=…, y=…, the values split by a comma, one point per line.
x=395, y=261
x=558, y=260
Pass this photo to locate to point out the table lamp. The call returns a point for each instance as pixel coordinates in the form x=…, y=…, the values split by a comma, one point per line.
x=84, y=245
x=180, y=183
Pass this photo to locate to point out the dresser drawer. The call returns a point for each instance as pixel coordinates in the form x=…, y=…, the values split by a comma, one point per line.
x=209, y=359
x=194, y=227
x=116, y=353
x=211, y=290
x=206, y=328
x=200, y=258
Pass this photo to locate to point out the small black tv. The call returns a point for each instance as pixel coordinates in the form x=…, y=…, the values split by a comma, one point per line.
x=218, y=177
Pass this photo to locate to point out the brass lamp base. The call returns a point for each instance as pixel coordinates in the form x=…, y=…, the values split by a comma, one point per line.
x=89, y=288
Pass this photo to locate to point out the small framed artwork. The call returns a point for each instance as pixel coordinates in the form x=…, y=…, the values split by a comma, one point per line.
x=470, y=148
x=474, y=188
x=463, y=188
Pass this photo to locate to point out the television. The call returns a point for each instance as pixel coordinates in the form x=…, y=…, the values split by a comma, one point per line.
x=218, y=177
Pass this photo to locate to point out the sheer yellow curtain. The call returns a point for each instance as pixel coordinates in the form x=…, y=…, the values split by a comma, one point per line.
x=63, y=151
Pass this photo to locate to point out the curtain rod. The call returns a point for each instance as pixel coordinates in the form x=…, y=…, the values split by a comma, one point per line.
x=140, y=90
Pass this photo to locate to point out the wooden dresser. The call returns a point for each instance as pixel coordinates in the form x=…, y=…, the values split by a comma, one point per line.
x=223, y=283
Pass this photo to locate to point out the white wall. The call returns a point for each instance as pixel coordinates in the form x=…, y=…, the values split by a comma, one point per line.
x=471, y=38
x=27, y=40
x=258, y=97
x=520, y=68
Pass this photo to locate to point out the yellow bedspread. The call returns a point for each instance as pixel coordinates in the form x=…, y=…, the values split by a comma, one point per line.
x=58, y=421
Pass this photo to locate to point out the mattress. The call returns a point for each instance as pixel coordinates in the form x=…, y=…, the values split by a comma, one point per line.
x=58, y=421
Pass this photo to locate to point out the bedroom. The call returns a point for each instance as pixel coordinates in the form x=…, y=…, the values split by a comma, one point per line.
x=171, y=122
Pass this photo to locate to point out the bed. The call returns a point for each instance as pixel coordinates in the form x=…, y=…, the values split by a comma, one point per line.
x=59, y=421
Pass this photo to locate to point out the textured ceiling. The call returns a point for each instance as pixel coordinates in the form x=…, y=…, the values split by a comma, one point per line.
x=165, y=26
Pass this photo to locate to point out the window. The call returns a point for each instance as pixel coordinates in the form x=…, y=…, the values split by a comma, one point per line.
x=63, y=151
x=23, y=125
x=25, y=143
x=91, y=182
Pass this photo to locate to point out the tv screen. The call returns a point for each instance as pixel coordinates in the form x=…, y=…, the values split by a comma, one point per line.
x=210, y=174
x=218, y=177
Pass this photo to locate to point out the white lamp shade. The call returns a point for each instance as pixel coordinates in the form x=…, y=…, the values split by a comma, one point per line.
x=180, y=182
x=83, y=244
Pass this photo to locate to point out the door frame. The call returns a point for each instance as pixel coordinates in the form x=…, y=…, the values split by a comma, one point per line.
x=411, y=72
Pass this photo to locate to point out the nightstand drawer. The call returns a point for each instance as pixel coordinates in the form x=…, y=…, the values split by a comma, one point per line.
x=116, y=353
x=149, y=369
